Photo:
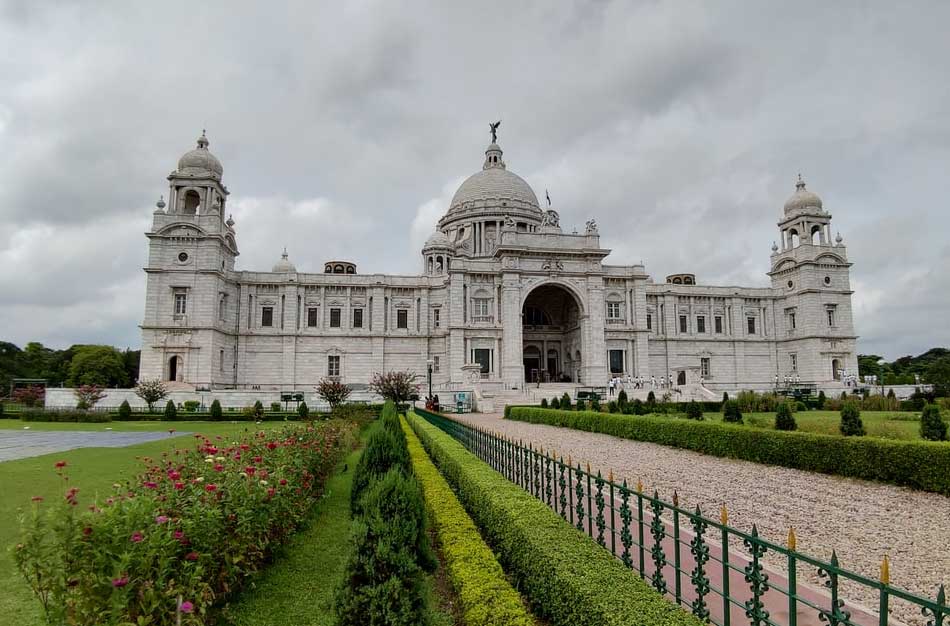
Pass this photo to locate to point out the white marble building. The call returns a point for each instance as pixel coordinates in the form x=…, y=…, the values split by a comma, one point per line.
x=503, y=292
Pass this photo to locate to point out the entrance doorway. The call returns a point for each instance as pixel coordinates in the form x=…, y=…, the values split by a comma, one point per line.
x=681, y=378
x=835, y=369
x=551, y=320
x=174, y=368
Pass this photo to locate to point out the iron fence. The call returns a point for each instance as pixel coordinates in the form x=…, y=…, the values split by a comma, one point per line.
x=712, y=569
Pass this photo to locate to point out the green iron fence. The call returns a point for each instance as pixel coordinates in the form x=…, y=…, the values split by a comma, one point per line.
x=714, y=570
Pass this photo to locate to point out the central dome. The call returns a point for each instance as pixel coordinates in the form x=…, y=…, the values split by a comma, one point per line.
x=494, y=191
x=200, y=161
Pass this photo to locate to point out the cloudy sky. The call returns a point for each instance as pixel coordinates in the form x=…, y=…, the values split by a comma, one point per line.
x=345, y=127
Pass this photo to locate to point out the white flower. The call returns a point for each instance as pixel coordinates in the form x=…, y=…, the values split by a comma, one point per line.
x=219, y=459
x=209, y=460
x=242, y=475
x=264, y=482
x=200, y=479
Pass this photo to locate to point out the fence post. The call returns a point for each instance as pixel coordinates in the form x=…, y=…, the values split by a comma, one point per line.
x=599, y=501
x=625, y=516
x=792, y=579
x=657, y=530
x=836, y=614
x=726, y=606
x=758, y=580
x=700, y=552
x=677, y=579
x=579, y=490
x=561, y=483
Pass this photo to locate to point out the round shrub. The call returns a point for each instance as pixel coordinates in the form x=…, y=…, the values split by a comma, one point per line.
x=303, y=411
x=544, y=403
x=731, y=412
x=125, y=410
x=622, y=399
x=725, y=396
x=595, y=405
x=555, y=403
x=638, y=408
x=215, y=412
x=566, y=402
x=801, y=406
x=851, y=424
x=171, y=413
x=932, y=426
x=784, y=417
x=580, y=405
x=258, y=409
x=613, y=407
x=694, y=410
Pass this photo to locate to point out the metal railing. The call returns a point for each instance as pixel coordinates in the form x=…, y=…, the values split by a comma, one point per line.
x=703, y=564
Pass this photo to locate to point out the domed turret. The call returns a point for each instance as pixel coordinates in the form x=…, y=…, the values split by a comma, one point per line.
x=284, y=266
x=200, y=161
x=802, y=199
x=438, y=241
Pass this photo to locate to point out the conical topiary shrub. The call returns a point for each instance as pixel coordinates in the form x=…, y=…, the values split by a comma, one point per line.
x=851, y=424
x=785, y=417
x=566, y=402
x=171, y=413
x=932, y=426
x=731, y=412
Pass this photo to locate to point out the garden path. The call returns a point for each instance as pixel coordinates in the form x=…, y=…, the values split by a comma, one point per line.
x=862, y=521
x=21, y=444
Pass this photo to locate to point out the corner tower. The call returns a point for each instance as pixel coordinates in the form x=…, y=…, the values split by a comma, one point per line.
x=814, y=326
x=188, y=331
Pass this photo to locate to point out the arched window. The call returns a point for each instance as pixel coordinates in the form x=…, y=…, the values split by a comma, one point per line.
x=815, y=235
x=350, y=269
x=430, y=265
x=793, y=239
x=533, y=316
x=439, y=264
x=192, y=202
x=688, y=280
x=677, y=281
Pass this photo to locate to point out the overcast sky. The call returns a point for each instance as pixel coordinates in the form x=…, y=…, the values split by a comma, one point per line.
x=344, y=129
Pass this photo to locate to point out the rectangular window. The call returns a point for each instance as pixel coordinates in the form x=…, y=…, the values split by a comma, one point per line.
x=435, y=362
x=613, y=310
x=701, y=324
x=831, y=317
x=436, y=317
x=333, y=365
x=649, y=321
x=683, y=323
x=704, y=367
x=481, y=310
x=482, y=356
x=357, y=318
x=615, y=358
x=312, y=317
x=334, y=318
x=221, y=361
x=267, y=316
x=181, y=303
x=718, y=322
x=750, y=323
x=793, y=361
x=791, y=321
x=402, y=318
x=222, y=307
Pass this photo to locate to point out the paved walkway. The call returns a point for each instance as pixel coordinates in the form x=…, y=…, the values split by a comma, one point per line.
x=21, y=444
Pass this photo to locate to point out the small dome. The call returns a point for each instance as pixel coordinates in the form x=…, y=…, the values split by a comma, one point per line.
x=284, y=265
x=200, y=160
x=802, y=199
x=437, y=240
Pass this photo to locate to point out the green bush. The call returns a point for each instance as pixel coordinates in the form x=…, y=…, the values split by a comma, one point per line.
x=851, y=424
x=784, y=417
x=385, y=450
x=215, y=413
x=125, y=410
x=694, y=410
x=171, y=413
x=385, y=575
x=594, y=405
x=303, y=411
x=932, y=426
x=275, y=407
x=566, y=402
x=821, y=400
x=544, y=403
x=555, y=403
x=71, y=415
x=921, y=465
x=613, y=407
x=258, y=409
x=725, y=397
x=579, y=406
x=485, y=595
x=622, y=399
x=731, y=412
x=651, y=401
x=191, y=406
x=567, y=578
x=638, y=407
x=801, y=406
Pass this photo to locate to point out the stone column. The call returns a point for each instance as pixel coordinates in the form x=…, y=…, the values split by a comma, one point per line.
x=592, y=328
x=513, y=369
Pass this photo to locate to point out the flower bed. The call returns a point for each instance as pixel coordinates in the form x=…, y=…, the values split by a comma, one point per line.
x=486, y=596
x=182, y=535
x=566, y=576
x=923, y=465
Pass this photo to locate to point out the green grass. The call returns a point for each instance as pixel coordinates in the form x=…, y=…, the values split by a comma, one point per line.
x=884, y=424
x=93, y=470
x=298, y=588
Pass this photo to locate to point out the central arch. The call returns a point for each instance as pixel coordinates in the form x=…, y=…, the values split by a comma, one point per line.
x=552, y=318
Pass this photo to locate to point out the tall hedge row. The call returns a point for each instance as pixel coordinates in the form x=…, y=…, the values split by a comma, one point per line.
x=565, y=575
x=922, y=465
x=485, y=595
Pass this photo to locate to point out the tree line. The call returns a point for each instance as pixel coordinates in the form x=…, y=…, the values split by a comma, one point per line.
x=77, y=365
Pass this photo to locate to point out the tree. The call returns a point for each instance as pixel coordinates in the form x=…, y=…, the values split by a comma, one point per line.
x=125, y=410
x=694, y=410
x=544, y=403
x=151, y=391
x=29, y=396
x=785, y=417
x=731, y=412
x=622, y=399
x=821, y=399
x=555, y=403
x=215, y=412
x=87, y=396
x=851, y=424
x=595, y=404
x=396, y=386
x=725, y=396
x=566, y=402
x=938, y=375
x=303, y=411
x=258, y=409
x=97, y=365
x=171, y=413
x=333, y=392
x=932, y=426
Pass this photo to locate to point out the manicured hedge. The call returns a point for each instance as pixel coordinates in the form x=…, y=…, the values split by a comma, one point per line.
x=486, y=597
x=922, y=465
x=74, y=415
x=566, y=576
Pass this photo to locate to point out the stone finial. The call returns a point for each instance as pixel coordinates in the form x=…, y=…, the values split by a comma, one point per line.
x=203, y=140
x=230, y=221
x=774, y=247
x=800, y=185
x=160, y=205
x=839, y=239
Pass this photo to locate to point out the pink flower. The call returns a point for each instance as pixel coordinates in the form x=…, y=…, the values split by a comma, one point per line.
x=120, y=582
x=218, y=467
x=211, y=487
x=136, y=537
x=179, y=534
x=150, y=484
x=283, y=481
x=186, y=607
x=191, y=556
x=173, y=475
x=161, y=519
x=60, y=464
x=179, y=486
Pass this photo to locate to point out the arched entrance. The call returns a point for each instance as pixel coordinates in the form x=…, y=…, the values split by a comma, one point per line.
x=681, y=378
x=551, y=320
x=835, y=369
x=174, y=368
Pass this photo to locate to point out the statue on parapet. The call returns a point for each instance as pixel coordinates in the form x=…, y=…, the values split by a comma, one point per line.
x=591, y=228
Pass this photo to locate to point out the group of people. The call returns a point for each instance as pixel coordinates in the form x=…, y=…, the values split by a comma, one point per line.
x=616, y=383
x=789, y=380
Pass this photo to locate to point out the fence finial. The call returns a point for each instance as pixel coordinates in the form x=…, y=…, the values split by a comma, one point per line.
x=588, y=467
x=886, y=571
x=792, y=542
x=676, y=498
x=724, y=514
x=639, y=486
x=570, y=461
x=610, y=476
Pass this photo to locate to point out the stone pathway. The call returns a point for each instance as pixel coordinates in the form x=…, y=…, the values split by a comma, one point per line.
x=860, y=520
x=21, y=444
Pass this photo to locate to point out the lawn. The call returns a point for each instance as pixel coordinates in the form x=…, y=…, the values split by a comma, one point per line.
x=886, y=424
x=93, y=470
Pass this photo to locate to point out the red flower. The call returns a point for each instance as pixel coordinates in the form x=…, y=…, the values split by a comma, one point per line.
x=87, y=531
x=270, y=492
x=150, y=485
x=249, y=470
x=179, y=486
x=257, y=459
x=37, y=498
x=60, y=464
x=218, y=467
x=173, y=475
x=191, y=556
x=120, y=582
x=271, y=445
x=211, y=487
x=136, y=537
x=283, y=481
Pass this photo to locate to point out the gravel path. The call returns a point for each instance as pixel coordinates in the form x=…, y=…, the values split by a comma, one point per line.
x=860, y=520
